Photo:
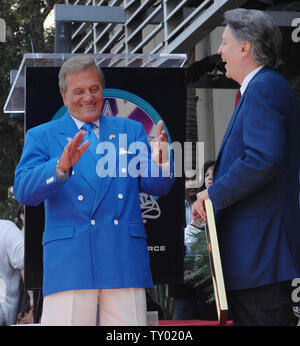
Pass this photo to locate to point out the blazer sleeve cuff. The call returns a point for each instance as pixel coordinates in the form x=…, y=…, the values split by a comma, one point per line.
x=219, y=199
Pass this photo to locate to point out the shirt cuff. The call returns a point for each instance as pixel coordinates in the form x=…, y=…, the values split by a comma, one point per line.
x=61, y=176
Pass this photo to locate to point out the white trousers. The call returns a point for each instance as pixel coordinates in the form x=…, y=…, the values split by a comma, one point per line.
x=117, y=307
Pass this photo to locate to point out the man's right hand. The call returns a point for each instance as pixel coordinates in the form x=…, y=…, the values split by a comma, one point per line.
x=198, y=209
x=73, y=151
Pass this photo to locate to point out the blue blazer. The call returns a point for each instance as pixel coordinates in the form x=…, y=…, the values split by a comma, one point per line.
x=256, y=186
x=94, y=235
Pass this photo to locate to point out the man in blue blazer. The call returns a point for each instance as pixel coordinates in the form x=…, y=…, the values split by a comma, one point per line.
x=256, y=178
x=94, y=242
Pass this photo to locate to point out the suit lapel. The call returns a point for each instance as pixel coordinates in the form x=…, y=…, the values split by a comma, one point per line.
x=235, y=115
x=230, y=126
x=67, y=129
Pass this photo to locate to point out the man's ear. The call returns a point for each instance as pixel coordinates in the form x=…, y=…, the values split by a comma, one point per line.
x=63, y=97
x=246, y=48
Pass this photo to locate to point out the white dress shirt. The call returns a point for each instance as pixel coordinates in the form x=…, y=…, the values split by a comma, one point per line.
x=248, y=78
x=80, y=123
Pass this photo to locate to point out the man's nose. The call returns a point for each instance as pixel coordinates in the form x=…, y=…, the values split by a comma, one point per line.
x=88, y=95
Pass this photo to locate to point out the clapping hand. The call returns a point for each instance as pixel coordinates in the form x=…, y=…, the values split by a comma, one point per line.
x=73, y=151
x=159, y=146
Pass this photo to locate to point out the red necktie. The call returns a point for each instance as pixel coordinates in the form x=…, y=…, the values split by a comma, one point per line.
x=237, y=97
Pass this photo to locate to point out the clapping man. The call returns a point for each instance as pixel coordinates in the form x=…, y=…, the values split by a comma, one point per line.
x=95, y=247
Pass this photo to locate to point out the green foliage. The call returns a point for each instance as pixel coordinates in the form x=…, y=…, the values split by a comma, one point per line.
x=18, y=15
x=197, y=263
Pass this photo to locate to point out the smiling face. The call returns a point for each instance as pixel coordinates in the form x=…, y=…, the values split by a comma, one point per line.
x=83, y=95
x=231, y=52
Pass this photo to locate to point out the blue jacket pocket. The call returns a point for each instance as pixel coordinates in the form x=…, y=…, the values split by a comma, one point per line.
x=137, y=230
x=57, y=234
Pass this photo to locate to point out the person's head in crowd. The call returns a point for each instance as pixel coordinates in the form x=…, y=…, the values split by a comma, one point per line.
x=208, y=174
x=192, y=185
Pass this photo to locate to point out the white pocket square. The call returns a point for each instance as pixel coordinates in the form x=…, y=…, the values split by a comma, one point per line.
x=122, y=151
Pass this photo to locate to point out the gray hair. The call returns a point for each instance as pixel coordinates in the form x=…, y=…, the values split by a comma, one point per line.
x=77, y=63
x=260, y=30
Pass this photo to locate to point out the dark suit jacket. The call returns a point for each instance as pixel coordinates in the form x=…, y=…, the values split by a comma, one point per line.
x=256, y=186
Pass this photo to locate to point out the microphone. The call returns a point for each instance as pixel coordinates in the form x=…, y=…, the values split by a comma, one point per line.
x=27, y=32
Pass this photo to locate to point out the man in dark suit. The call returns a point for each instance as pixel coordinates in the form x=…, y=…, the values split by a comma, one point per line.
x=94, y=243
x=256, y=182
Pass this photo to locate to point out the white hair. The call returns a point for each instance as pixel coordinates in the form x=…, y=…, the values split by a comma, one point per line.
x=260, y=30
x=77, y=63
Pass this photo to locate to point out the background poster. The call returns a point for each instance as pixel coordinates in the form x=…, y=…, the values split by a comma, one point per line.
x=143, y=94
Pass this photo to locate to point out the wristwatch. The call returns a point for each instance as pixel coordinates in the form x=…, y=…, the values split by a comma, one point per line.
x=61, y=169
